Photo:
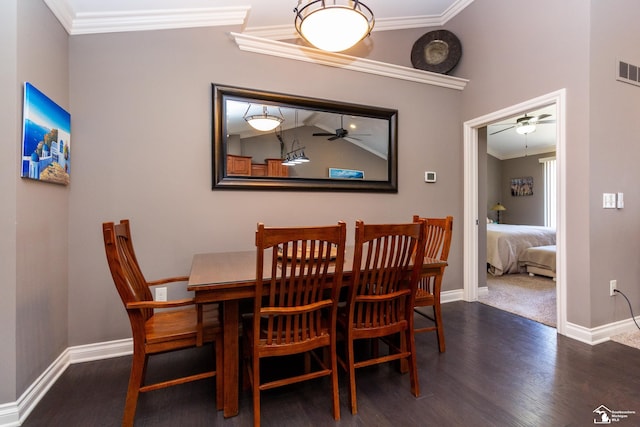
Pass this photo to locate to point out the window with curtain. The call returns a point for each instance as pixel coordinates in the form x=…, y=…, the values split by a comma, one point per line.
x=549, y=165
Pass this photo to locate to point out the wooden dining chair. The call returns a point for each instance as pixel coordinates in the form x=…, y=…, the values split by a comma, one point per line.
x=381, y=297
x=154, y=331
x=297, y=313
x=437, y=245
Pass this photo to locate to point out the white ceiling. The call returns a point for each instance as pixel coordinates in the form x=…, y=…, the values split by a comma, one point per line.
x=509, y=144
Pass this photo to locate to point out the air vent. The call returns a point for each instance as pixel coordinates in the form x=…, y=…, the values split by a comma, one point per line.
x=628, y=73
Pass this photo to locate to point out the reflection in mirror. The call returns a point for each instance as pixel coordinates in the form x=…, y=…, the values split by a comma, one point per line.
x=316, y=144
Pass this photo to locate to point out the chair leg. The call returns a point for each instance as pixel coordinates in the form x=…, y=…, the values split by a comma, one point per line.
x=437, y=315
x=138, y=369
x=413, y=363
x=219, y=373
x=334, y=379
x=256, y=390
x=352, y=376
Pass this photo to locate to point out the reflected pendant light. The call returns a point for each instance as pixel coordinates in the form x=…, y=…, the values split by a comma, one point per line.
x=334, y=27
x=263, y=122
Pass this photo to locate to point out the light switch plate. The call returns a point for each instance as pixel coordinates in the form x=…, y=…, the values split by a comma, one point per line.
x=620, y=201
x=609, y=200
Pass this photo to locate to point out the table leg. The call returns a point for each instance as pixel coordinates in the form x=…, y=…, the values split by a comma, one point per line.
x=231, y=357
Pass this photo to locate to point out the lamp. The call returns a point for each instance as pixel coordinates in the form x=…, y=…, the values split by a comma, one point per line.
x=334, y=27
x=263, y=122
x=498, y=208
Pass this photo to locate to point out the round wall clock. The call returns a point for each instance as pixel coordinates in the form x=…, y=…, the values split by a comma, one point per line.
x=437, y=51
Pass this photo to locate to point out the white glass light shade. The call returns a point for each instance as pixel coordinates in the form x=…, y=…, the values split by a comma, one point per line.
x=524, y=128
x=263, y=122
x=333, y=28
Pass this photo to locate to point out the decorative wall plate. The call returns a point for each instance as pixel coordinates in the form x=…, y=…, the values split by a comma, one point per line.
x=437, y=51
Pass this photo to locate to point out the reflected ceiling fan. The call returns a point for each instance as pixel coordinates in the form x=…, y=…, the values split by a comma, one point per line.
x=341, y=132
x=525, y=124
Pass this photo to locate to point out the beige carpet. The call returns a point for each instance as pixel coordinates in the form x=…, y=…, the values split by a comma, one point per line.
x=530, y=297
x=632, y=339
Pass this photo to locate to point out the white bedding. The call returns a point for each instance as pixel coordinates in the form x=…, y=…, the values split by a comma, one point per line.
x=506, y=242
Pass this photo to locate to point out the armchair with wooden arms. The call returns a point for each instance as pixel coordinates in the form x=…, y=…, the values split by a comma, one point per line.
x=437, y=245
x=154, y=331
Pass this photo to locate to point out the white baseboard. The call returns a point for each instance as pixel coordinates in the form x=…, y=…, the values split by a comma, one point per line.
x=600, y=334
x=14, y=413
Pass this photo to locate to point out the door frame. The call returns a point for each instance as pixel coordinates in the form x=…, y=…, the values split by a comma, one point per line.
x=471, y=217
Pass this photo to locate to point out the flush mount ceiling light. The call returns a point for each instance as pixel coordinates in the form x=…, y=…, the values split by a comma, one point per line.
x=336, y=26
x=264, y=121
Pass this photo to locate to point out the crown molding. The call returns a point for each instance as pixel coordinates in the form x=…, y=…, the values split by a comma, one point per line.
x=307, y=54
x=144, y=20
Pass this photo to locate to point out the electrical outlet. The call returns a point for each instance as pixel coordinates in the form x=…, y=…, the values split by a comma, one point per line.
x=613, y=284
x=161, y=294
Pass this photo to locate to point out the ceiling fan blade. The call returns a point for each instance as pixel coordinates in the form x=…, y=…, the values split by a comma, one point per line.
x=323, y=134
x=333, y=138
x=536, y=119
x=501, y=130
x=544, y=122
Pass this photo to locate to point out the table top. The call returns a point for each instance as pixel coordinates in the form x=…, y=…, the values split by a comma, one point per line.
x=224, y=270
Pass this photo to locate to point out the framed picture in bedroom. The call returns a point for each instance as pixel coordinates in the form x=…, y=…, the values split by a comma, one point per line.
x=522, y=186
x=46, y=139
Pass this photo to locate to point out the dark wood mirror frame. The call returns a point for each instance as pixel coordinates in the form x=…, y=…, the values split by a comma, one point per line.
x=223, y=180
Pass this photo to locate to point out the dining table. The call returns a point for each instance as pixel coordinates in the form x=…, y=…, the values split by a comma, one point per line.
x=228, y=278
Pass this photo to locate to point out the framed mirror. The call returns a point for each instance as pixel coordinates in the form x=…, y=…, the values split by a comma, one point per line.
x=301, y=143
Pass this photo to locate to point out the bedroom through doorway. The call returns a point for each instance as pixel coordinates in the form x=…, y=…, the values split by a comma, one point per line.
x=511, y=173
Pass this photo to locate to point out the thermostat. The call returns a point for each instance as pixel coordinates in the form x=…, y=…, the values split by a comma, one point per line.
x=429, y=176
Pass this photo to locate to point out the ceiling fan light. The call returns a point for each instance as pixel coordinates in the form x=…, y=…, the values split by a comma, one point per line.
x=524, y=128
x=334, y=28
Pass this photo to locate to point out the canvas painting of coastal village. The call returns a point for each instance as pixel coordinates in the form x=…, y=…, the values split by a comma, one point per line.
x=46, y=139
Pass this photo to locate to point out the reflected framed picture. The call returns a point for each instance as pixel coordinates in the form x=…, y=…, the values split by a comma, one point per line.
x=46, y=139
x=522, y=186
x=338, y=173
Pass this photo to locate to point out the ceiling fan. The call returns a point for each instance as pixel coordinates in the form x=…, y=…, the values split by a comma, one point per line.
x=341, y=132
x=525, y=124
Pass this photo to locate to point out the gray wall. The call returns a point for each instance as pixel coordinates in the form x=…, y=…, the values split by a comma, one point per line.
x=613, y=161
x=494, y=187
x=42, y=209
x=581, y=43
x=142, y=132
x=9, y=122
x=524, y=210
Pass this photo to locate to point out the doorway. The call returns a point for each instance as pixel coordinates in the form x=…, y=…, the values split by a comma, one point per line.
x=471, y=214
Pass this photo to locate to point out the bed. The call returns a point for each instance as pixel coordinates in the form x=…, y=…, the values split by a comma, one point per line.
x=507, y=242
x=539, y=260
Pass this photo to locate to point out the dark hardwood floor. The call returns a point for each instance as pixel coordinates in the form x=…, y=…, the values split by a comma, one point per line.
x=499, y=370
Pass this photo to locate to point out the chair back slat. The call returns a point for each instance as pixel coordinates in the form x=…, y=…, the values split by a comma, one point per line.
x=306, y=266
x=437, y=245
x=127, y=275
x=438, y=236
x=382, y=278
